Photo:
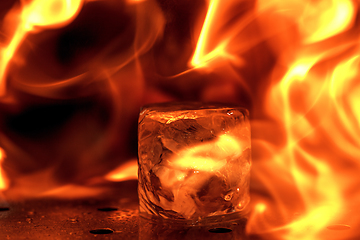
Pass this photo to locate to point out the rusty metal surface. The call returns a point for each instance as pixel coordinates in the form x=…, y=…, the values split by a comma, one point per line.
x=113, y=216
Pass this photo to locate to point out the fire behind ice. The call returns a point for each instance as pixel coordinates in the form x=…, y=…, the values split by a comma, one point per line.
x=73, y=75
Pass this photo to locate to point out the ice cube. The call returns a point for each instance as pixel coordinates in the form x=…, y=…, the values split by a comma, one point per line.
x=185, y=193
x=210, y=197
x=194, y=160
x=150, y=152
x=183, y=133
x=173, y=190
x=151, y=148
x=158, y=189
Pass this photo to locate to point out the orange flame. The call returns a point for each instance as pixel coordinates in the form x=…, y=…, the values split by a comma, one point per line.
x=200, y=57
x=208, y=156
x=223, y=49
x=317, y=106
x=36, y=15
x=316, y=20
x=303, y=102
x=306, y=114
x=126, y=171
x=3, y=180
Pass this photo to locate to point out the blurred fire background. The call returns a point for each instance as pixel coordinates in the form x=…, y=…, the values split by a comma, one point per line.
x=73, y=91
x=74, y=75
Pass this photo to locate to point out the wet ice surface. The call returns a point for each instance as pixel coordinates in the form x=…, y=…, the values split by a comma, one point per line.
x=194, y=163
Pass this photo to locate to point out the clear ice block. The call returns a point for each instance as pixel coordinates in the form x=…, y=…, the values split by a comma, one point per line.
x=194, y=160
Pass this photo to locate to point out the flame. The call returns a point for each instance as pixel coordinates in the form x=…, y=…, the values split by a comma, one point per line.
x=305, y=120
x=3, y=180
x=336, y=17
x=208, y=156
x=344, y=93
x=224, y=49
x=316, y=20
x=34, y=16
x=314, y=101
x=295, y=64
x=143, y=24
x=200, y=57
x=55, y=13
x=126, y=171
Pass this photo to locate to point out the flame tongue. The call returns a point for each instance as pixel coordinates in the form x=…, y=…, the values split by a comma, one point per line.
x=209, y=156
x=34, y=16
x=3, y=181
x=308, y=98
x=316, y=20
x=50, y=13
x=303, y=103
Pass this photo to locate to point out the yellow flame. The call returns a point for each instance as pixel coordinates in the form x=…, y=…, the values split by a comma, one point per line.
x=126, y=171
x=323, y=206
x=49, y=13
x=260, y=208
x=200, y=57
x=316, y=20
x=344, y=91
x=38, y=13
x=3, y=181
x=204, y=53
x=323, y=19
x=326, y=203
x=208, y=156
x=335, y=96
